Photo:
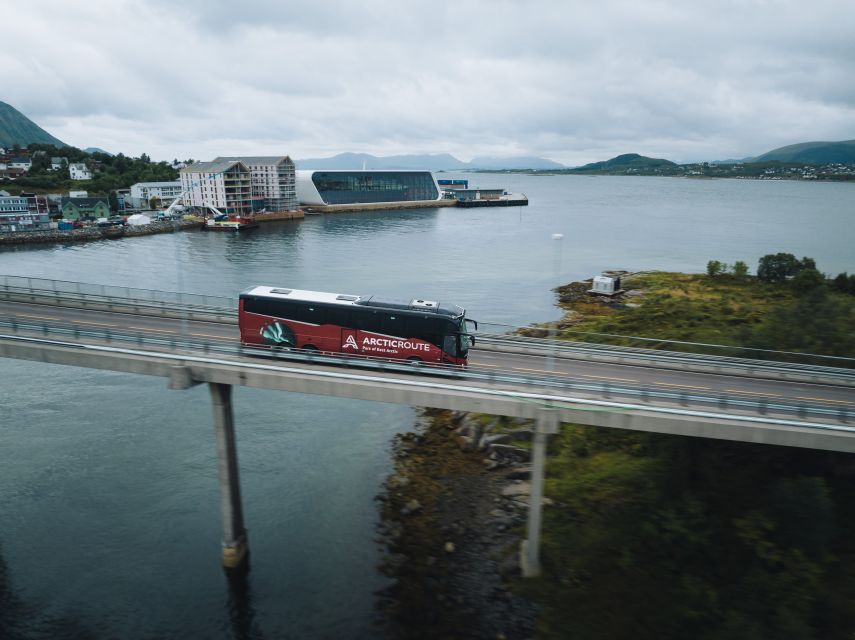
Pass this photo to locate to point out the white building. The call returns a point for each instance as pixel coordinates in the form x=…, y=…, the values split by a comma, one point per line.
x=143, y=192
x=79, y=171
x=57, y=163
x=272, y=180
x=223, y=185
x=20, y=163
x=16, y=216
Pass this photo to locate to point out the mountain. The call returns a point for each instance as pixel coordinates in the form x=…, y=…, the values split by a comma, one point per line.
x=16, y=128
x=626, y=161
x=97, y=150
x=515, y=162
x=430, y=162
x=812, y=153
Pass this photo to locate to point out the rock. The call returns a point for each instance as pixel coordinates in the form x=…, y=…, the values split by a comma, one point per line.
x=519, y=473
x=519, y=488
x=411, y=507
x=524, y=435
x=508, y=452
x=493, y=438
x=466, y=443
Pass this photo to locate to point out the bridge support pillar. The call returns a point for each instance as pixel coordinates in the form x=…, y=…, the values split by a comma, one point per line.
x=235, y=543
x=547, y=424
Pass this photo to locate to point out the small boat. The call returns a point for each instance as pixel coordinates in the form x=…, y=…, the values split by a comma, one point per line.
x=230, y=223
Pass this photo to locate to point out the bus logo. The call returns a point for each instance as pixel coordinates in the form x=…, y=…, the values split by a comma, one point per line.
x=350, y=343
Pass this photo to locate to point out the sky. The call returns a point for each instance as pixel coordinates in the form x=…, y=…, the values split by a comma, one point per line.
x=571, y=81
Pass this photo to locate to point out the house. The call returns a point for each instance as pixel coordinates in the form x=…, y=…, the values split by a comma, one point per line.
x=57, y=163
x=20, y=163
x=85, y=208
x=79, y=171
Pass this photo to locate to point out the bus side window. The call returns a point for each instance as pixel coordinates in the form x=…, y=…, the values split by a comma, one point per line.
x=313, y=313
x=449, y=344
x=393, y=324
x=367, y=320
x=339, y=317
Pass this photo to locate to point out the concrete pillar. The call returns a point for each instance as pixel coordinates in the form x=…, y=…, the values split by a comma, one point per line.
x=235, y=544
x=547, y=424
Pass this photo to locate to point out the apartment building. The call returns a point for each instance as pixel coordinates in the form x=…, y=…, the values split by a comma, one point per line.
x=16, y=216
x=224, y=185
x=272, y=180
x=142, y=193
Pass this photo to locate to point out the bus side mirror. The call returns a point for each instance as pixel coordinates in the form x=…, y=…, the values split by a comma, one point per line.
x=472, y=340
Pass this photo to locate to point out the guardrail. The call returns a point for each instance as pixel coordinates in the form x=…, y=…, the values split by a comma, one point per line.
x=677, y=360
x=169, y=304
x=645, y=394
x=166, y=304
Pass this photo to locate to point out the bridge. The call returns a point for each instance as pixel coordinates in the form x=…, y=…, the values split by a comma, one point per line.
x=192, y=339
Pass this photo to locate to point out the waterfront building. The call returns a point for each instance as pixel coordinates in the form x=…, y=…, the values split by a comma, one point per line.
x=316, y=187
x=272, y=181
x=142, y=192
x=224, y=185
x=85, y=208
x=79, y=171
x=16, y=216
x=25, y=164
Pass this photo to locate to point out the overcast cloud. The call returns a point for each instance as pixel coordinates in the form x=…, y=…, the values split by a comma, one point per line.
x=572, y=81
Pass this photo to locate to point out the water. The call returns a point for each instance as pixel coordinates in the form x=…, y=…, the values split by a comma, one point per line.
x=109, y=512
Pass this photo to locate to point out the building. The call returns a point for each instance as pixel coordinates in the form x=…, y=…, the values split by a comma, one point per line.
x=79, y=171
x=85, y=208
x=24, y=164
x=57, y=163
x=225, y=186
x=16, y=216
x=316, y=187
x=272, y=180
x=142, y=193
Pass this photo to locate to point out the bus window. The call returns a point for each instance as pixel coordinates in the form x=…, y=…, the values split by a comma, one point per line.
x=339, y=317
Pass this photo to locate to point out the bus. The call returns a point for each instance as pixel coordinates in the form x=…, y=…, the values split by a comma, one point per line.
x=417, y=330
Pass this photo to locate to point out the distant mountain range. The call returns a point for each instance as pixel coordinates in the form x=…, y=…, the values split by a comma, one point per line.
x=430, y=162
x=16, y=128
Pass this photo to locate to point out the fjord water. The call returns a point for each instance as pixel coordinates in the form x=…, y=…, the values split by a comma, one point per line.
x=109, y=512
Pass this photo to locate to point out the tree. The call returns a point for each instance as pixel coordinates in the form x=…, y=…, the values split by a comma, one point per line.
x=715, y=268
x=740, y=270
x=114, y=201
x=154, y=202
x=778, y=267
x=807, y=281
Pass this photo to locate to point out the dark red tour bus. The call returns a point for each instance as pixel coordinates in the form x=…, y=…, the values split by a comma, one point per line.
x=418, y=330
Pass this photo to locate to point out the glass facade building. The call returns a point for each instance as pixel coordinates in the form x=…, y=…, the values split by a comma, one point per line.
x=361, y=187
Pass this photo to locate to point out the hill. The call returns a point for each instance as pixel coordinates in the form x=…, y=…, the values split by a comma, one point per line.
x=431, y=162
x=626, y=161
x=16, y=128
x=812, y=153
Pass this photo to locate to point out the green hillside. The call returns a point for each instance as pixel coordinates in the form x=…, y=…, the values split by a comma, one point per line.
x=16, y=128
x=626, y=161
x=813, y=153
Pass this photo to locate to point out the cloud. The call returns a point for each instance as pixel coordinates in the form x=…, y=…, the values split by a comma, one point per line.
x=572, y=81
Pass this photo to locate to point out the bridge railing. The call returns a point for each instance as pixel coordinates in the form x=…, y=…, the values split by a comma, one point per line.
x=76, y=336
x=110, y=297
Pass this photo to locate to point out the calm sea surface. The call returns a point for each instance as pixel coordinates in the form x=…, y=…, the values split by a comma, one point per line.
x=109, y=512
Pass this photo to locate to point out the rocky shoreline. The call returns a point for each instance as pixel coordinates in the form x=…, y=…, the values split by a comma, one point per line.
x=453, y=518
x=87, y=234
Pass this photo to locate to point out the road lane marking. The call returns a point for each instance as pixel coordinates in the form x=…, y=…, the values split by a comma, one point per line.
x=683, y=386
x=152, y=329
x=755, y=393
x=823, y=400
x=586, y=375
